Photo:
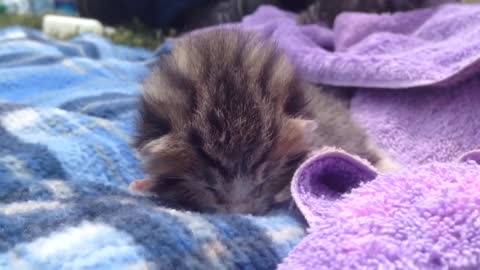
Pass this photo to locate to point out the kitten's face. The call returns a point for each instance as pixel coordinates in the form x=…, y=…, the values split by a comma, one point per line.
x=222, y=125
x=200, y=172
x=200, y=178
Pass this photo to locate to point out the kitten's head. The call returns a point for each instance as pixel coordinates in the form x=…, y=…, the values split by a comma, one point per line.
x=223, y=124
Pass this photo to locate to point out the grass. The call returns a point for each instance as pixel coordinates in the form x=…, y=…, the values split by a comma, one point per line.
x=24, y=20
x=133, y=34
x=138, y=35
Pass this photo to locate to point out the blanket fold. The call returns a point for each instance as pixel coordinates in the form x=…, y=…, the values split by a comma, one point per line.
x=394, y=51
x=320, y=181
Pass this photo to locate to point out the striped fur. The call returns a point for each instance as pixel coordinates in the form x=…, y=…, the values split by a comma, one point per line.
x=226, y=121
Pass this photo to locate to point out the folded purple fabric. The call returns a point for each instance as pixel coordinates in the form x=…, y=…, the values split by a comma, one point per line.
x=410, y=49
x=422, y=218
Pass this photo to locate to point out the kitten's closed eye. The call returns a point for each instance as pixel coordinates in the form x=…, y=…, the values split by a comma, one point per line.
x=257, y=191
x=214, y=191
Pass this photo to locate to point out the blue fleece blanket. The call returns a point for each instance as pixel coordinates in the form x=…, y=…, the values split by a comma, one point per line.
x=67, y=114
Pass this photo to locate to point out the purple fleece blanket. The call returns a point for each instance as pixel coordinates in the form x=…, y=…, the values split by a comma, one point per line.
x=418, y=97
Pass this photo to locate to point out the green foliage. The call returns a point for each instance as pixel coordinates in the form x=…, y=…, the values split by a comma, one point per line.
x=136, y=34
x=24, y=20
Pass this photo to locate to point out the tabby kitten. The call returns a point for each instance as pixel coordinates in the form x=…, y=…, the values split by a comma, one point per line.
x=226, y=120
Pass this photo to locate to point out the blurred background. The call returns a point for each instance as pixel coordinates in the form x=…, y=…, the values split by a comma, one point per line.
x=142, y=23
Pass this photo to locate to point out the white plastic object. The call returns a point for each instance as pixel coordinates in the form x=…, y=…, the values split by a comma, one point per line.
x=64, y=26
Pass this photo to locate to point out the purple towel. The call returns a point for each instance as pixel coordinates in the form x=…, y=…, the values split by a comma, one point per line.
x=410, y=49
x=417, y=75
x=422, y=218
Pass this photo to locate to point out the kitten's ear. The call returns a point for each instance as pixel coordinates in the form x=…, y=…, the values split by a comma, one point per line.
x=305, y=130
x=295, y=137
x=307, y=126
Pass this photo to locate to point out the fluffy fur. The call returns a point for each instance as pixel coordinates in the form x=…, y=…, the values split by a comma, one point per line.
x=226, y=120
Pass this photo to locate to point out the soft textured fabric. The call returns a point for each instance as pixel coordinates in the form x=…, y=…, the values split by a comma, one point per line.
x=398, y=50
x=67, y=112
x=421, y=218
x=416, y=76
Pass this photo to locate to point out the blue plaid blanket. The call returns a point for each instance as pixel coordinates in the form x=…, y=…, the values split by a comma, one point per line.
x=67, y=113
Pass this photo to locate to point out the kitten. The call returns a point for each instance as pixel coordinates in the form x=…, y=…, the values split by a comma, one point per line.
x=226, y=120
x=327, y=10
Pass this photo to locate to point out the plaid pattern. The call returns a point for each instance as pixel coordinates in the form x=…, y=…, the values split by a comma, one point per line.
x=66, y=117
